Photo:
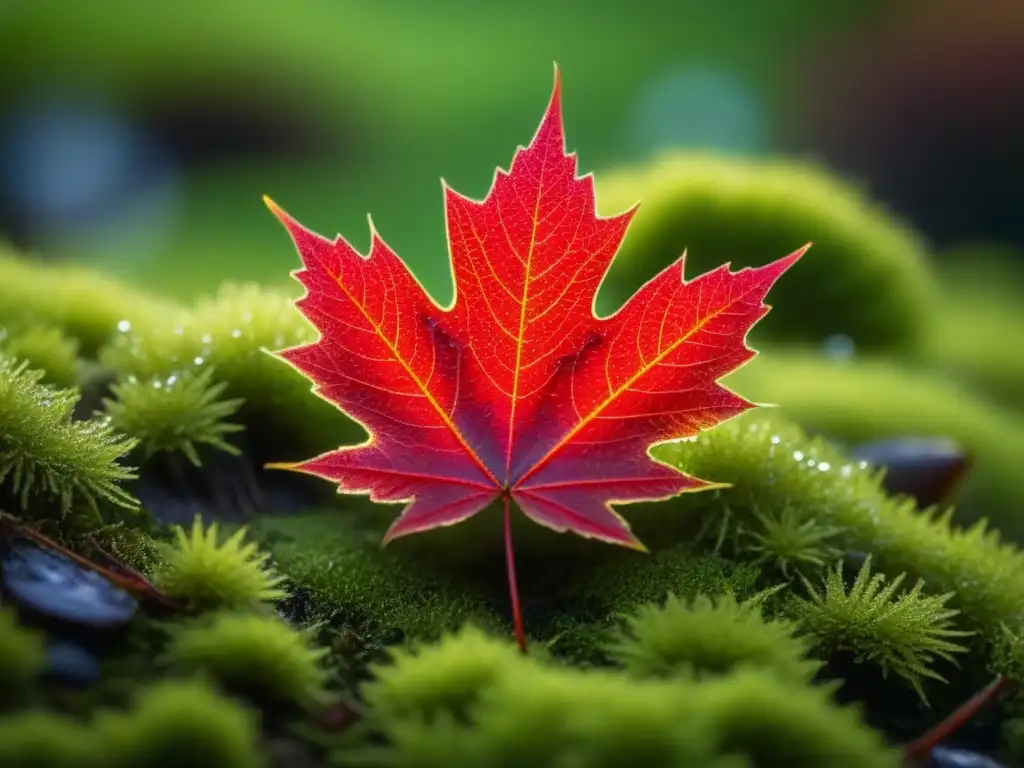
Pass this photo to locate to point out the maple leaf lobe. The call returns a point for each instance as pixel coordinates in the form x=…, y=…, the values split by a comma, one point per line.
x=518, y=389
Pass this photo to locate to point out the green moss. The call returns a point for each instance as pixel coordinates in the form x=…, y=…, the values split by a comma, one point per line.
x=771, y=464
x=507, y=710
x=707, y=636
x=42, y=740
x=866, y=276
x=179, y=723
x=787, y=543
x=209, y=573
x=85, y=305
x=176, y=414
x=418, y=588
x=873, y=398
x=759, y=716
x=428, y=680
x=47, y=459
x=232, y=333
x=901, y=632
x=363, y=589
x=258, y=656
x=22, y=659
x=46, y=348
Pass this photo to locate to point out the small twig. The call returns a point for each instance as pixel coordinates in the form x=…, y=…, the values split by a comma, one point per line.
x=920, y=748
x=510, y=567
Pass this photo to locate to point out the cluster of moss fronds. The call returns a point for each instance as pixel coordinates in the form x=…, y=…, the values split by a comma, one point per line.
x=174, y=414
x=686, y=637
x=209, y=573
x=48, y=459
x=472, y=700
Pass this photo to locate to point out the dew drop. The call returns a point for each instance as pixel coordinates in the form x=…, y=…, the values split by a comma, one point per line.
x=824, y=466
x=206, y=338
x=124, y=326
x=798, y=455
x=198, y=361
x=811, y=463
x=171, y=379
x=157, y=384
x=776, y=439
x=235, y=333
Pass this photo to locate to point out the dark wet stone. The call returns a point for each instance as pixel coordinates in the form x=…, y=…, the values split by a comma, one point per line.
x=72, y=665
x=942, y=757
x=927, y=469
x=54, y=586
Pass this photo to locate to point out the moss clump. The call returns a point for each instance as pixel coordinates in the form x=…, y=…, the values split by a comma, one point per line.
x=904, y=633
x=449, y=676
x=710, y=636
x=179, y=723
x=45, y=348
x=22, y=659
x=232, y=332
x=258, y=656
x=789, y=544
x=880, y=399
x=866, y=276
x=175, y=414
x=41, y=740
x=471, y=700
x=209, y=573
x=87, y=306
x=45, y=456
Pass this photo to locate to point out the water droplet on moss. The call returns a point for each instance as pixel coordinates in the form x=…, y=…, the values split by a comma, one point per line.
x=198, y=361
x=776, y=439
x=235, y=333
x=798, y=455
x=124, y=326
x=206, y=339
x=824, y=466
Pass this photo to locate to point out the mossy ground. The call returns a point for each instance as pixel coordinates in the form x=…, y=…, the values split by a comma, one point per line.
x=357, y=621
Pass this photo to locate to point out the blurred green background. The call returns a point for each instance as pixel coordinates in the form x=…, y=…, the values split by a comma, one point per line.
x=140, y=136
x=139, y=139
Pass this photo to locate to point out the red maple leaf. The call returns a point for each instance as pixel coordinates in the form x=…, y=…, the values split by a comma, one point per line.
x=517, y=390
